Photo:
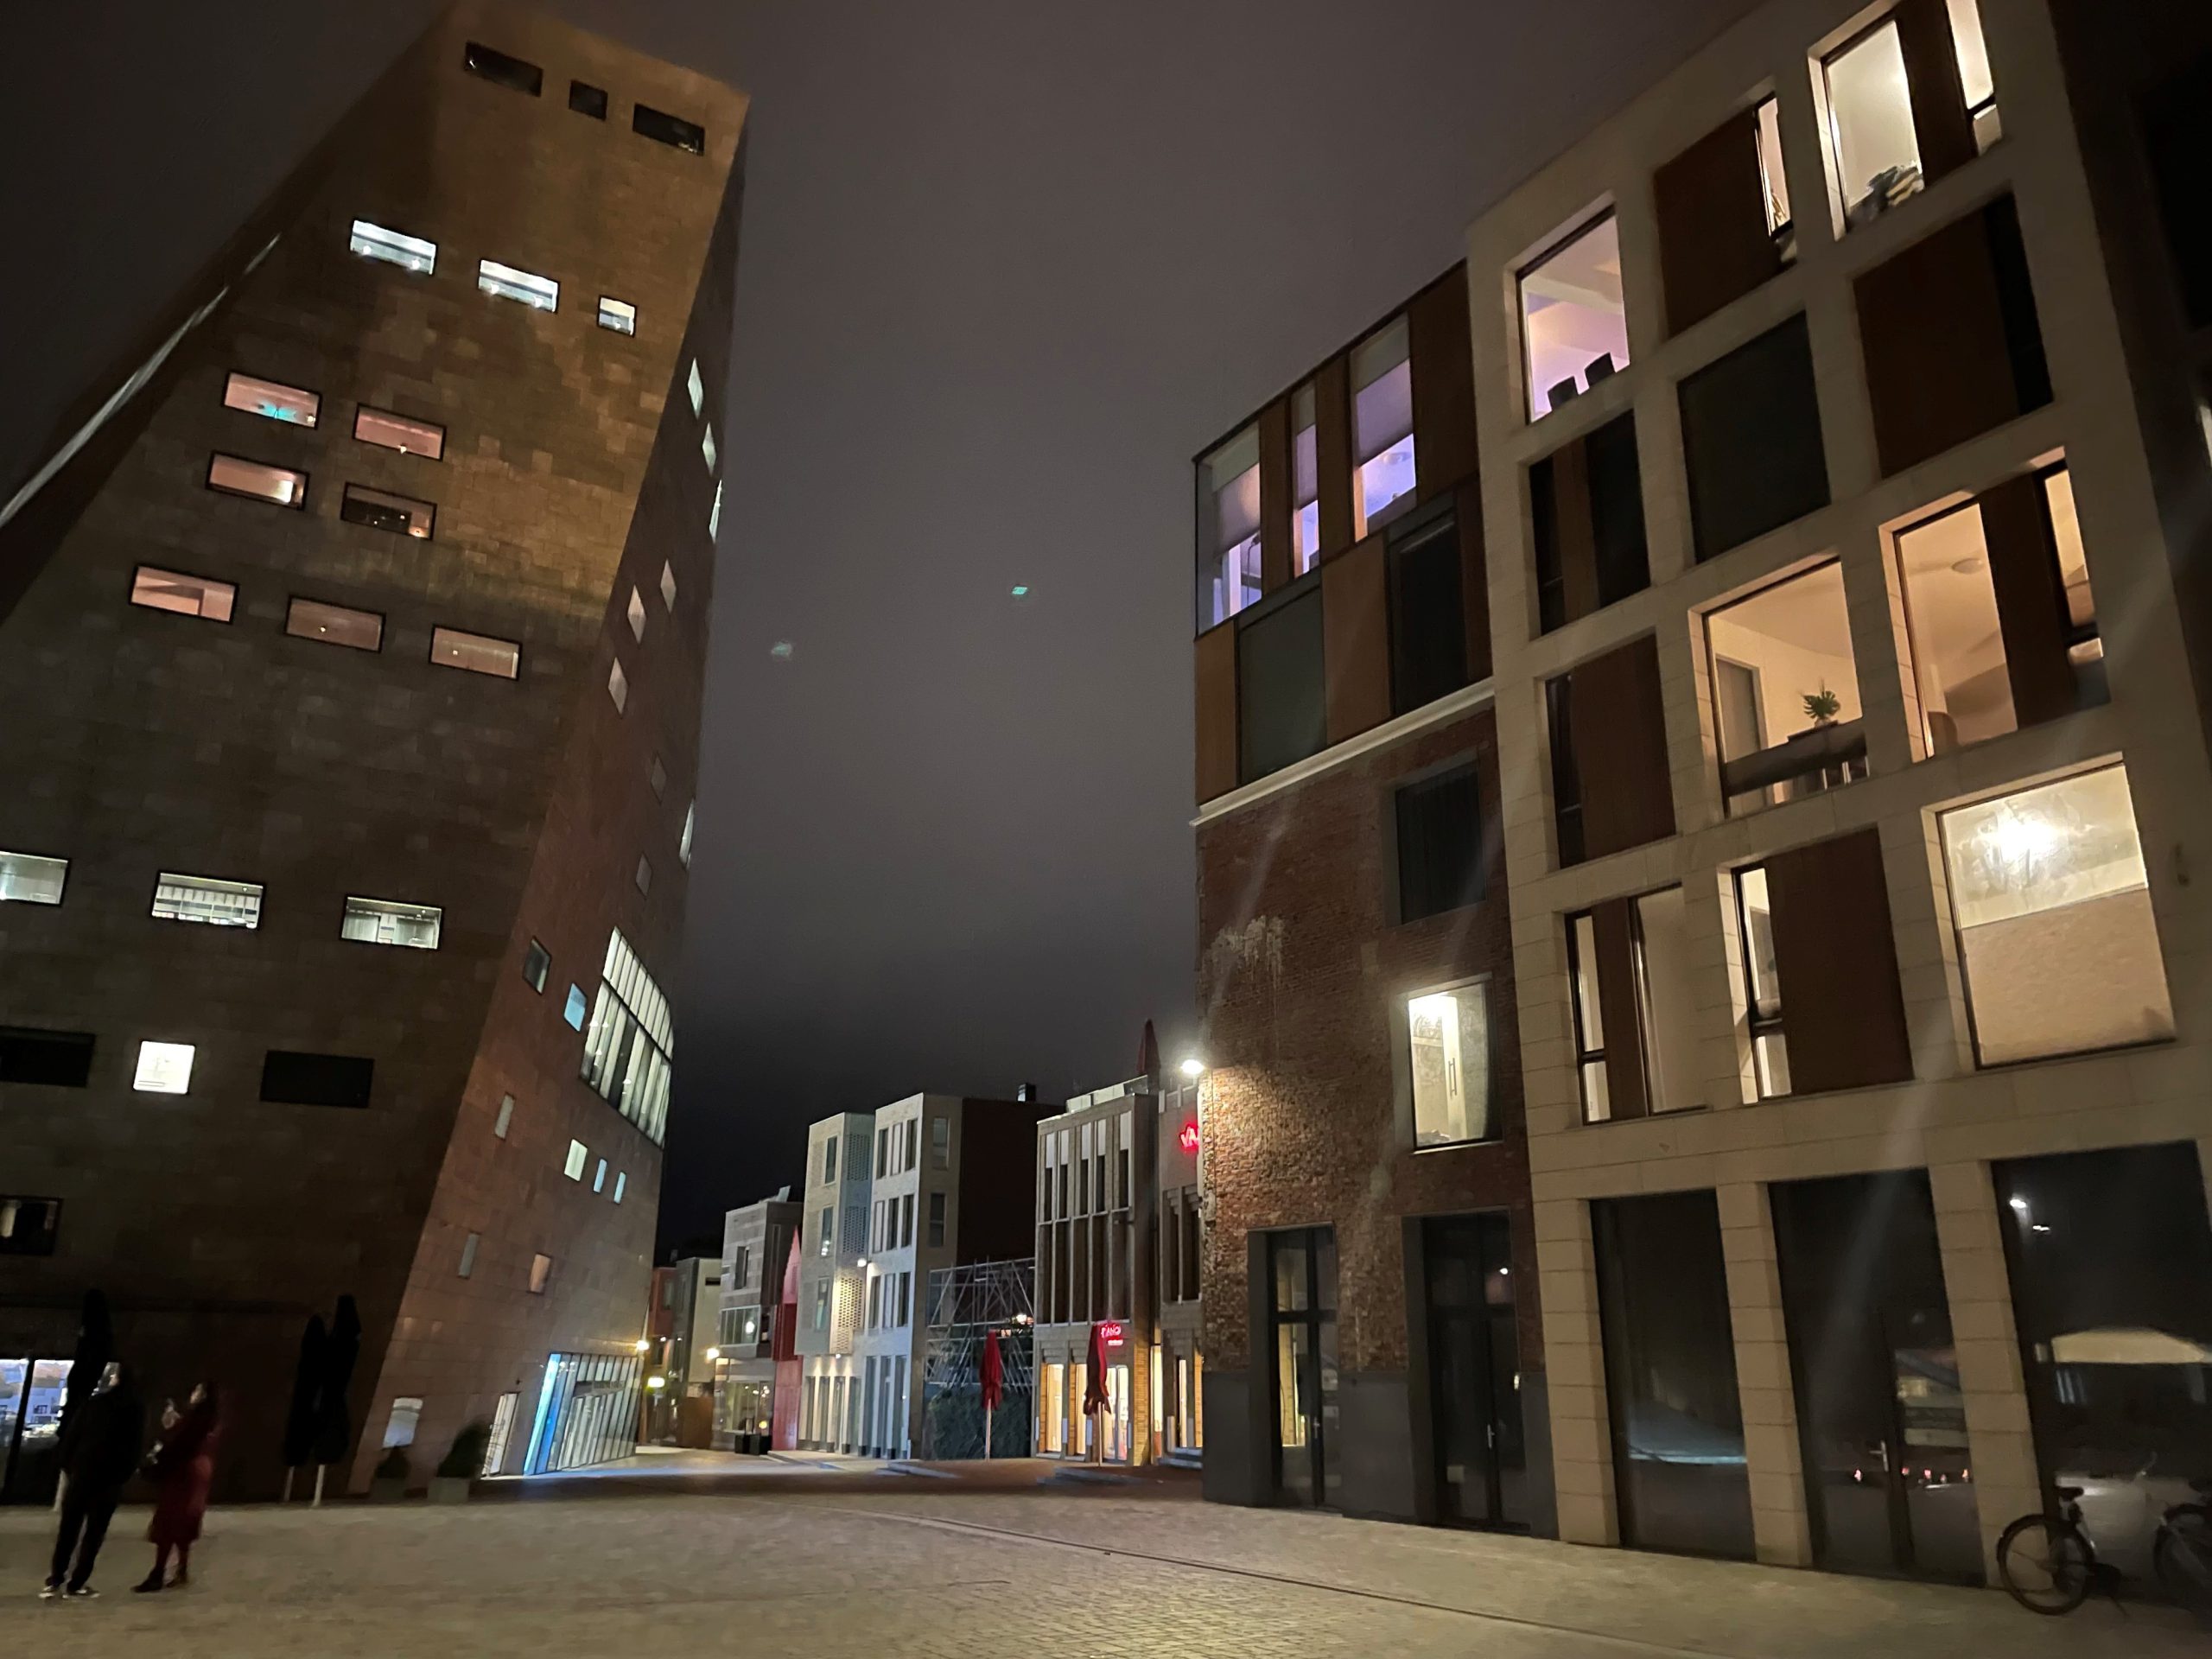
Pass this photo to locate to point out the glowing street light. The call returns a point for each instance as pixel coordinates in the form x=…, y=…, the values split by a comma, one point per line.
x=643, y=1344
x=1193, y=1065
x=656, y=1382
x=713, y=1354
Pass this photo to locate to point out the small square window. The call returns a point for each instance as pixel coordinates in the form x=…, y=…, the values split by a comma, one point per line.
x=707, y=444
x=1572, y=319
x=476, y=653
x=541, y=1270
x=389, y=431
x=506, y=282
x=670, y=129
x=658, y=777
x=537, y=962
x=284, y=487
x=202, y=899
x=588, y=100
x=468, y=1255
x=617, y=316
x=618, y=685
x=502, y=70
x=1383, y=427
x=574, y=1012
x=578, y=1156
x=637, y=615
x=294, y=405
x=621, y=1181
x=394, y=248
x=668, y=584
x=644, y=876
x=31, y=879
x=380, y=510
x=385, y=921
x=163, y=1069
x=506, y=1118
x=333, y=624
x=599, y=1177
x=172, y=590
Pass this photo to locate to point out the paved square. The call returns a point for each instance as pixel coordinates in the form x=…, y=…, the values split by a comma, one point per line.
x=940, y=1570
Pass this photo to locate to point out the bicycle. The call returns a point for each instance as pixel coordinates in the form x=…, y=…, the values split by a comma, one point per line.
x=2049, y=1564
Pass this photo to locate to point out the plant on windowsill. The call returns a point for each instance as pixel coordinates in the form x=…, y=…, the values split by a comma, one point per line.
x=389, y=1484
x=1821, y=706
x=459, y=1464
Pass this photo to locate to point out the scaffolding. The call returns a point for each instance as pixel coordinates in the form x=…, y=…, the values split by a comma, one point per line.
x=965, y=1303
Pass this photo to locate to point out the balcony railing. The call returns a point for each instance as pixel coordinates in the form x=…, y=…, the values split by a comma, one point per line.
x=1820, y=758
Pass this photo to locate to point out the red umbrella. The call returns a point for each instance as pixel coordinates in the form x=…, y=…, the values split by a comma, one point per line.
x=994, y=1372
x=1094, y=1382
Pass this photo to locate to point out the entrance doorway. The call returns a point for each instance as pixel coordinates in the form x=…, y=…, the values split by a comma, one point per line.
x=31, y=1389
x=1302, y=1300
x=1474, y=1370
x=1881, y=1416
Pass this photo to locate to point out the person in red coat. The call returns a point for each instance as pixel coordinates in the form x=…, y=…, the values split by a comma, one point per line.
x=183, y=1466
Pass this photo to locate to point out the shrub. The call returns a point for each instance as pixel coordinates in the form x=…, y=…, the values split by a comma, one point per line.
x=466, y=1460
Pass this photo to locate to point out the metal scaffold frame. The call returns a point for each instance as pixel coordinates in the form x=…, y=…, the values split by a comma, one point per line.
x=963, y=1304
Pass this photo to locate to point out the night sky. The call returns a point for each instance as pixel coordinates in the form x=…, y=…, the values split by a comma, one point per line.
x=1005, y=267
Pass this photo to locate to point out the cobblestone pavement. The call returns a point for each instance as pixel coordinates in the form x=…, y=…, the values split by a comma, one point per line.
x=942, y=1570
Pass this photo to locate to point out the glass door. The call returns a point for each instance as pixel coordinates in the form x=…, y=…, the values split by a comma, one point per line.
x=1302, y=1273
x=1474, y=1370
x=1881, y=1416
x=31, y=1392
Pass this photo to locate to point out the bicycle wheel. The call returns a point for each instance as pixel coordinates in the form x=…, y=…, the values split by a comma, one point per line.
x=2182, y=1556
x=2045, y=1563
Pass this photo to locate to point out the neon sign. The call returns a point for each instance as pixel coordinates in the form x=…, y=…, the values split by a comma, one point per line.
x=1187, y=1136
x=1111, y=1333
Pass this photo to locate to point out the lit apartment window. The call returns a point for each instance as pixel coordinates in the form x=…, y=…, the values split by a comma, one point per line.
x=618, y=685
x=468, y=1255
x=162, y=1069
x=668, y=584
x=1383, y=427
x=1785, y=693
x=714, y=516
x=1774, y=183
x=203, y=898
x=506, y=283
x=1305, y=483
x=588, y=100
x=537, y=962
x=292, y=404
x=643, y=877
x=621, y=1184
x=502, y=70
x=706, y=445
x=628, y=1052
x=31, y=879
x=657, y=778
x=394, y=247
x=599, y=1177
x=1572, y=319
x=618, y=316
x=637, y=616
x=506, y=1118
x=477, y=653
x=670, y=129
x=1628, y=970
x=2055, y=936
x=385, y=921
x=2002, y=621
x=381, y=510
x=697, y=387
x=574, y=1010
x=172, y=590
x=389, y=431
x=573, y=1168
x=1872, y=122
x=684, y=845
x=333, y=624
x=235, y=475
x=1448, y=1038
x=541, y=1270
x=1229, y=529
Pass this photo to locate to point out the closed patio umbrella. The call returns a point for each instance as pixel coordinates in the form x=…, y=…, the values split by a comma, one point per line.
x=993, y=1384
x=1094, y=1390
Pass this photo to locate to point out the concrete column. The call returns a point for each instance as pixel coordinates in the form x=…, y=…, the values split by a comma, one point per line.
x=2006, y=1480
x=1780, y=1529
x=1575, y=1362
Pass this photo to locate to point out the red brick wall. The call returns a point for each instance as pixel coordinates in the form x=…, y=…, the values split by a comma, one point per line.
x=1300, y=966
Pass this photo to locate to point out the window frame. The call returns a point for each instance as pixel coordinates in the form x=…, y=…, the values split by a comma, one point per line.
x=513, y=677
x=169, y=878
x=351, y=898
x=1596, y=214
x=347, y=497
x=293, y=602
x=497, y=280
x=383, y=252
x=593, y=106
x=1394, y=791
x=627, y=313
x=1756, y=1023
x=362, y=411
x=60, y=892
x=689, y=137
x=502, y=69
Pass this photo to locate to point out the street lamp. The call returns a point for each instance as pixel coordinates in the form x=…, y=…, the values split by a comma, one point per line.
x=713, y=1354
x=1193, y=1067
x=643, y=1344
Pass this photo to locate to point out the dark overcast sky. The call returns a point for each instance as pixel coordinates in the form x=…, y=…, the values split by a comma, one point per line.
x=1006, y=266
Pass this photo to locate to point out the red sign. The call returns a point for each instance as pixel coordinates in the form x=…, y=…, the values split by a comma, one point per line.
x=1110, y=1332
x=1187, y=1136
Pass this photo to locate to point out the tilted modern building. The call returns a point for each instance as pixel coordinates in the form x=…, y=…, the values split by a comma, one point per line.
x=353, y=633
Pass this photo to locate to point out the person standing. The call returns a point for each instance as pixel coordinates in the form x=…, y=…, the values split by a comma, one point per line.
x=99, y=1451
x=184, y=1467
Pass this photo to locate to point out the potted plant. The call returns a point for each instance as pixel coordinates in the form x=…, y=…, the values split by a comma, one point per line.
x=461, y=1465
x=389, y=1484
x=1821, y=706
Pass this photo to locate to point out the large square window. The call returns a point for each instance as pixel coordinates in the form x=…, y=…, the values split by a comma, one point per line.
x=187, y=596
x=1574, y=322
x=206, y=899
x=2055, y=936
x=1449, y=1037
x=385, y=921
x=1383, y=427
x=31, y=879
x=1785, y=693
x=1751, y=440
x=1229, y=529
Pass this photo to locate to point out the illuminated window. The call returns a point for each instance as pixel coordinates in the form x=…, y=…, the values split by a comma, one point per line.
x=235, y=475
x=537, y=962
x=1382, y=428
x=1305, y=482
x=573, y=1168
x=1228, y=528
x=617, y=316
x=599, y=1177
x=573, y=1011
x=385, y=921
x=394, y=248
x=1572, y=319
x=657, y=776
x=714, y=516
x=622, y=1182
x=292, y=404
x=60, y=1059
x=502, y=70
x=707, y=444
x=668, y=585
x=1448, y=1038
x=476, y=653
x=697, y=387
x=670, y=129
x=202, y=899
x=381, y=510
x=506, y=1116
x=2056, y=936
x=1762, y=983
x=333, y=624
x=172, y=590
x=1785, y=691
x=629, y=1054
x=637, y=616
x=1871, y=121
x=389, y=431
x=541, y=1270
x=468, y=1254
x=163, y=1069
x=1774, y=183
x=506, y=282
x=30, y=879
x=618, y=685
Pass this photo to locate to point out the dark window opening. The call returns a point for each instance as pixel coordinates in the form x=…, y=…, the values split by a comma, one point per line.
x=1566, y=781
x=27, y=1226
x=63, y=1059
x=588, y=100
x=502, y=70
x=377, y=510
x=1428, y=622
x=2176, y=138
x=535, y=961
x=1282, y=714
x=670, y=129
x=1751, y=440
x=1439, y=843
x=1587, y=501
x=315, y=1080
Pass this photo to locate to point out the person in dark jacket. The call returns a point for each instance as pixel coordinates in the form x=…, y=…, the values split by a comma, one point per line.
x=99, y=1450
x=183, y=1469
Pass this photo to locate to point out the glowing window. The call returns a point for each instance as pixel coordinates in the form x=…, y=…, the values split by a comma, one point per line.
x=617, y=316
x=506, y=282
x=30, y=879
x=293, y=405
x=1228, y=528
x=235, y=475
x=334, y=625
x=203, y=898
x=618, y=685
x=163, y=1069
x=1448, y=1034
x=573, y=1168
x=1382, y=428
x=172, y=590
x=389, y=431
x=477, y=653
x=385, y=921
x=394, y=248
x=1573, y=319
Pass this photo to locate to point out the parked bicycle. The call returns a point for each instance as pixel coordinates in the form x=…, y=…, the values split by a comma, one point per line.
x=2049, y=1563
